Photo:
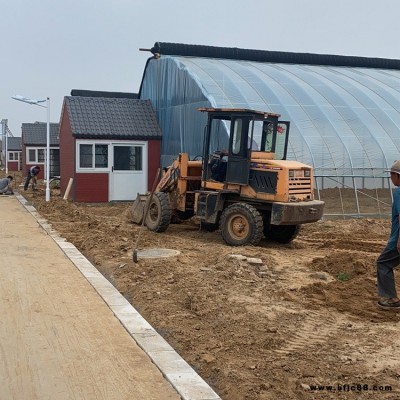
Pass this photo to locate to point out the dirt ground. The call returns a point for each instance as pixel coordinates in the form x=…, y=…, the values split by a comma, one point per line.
x=307, y=316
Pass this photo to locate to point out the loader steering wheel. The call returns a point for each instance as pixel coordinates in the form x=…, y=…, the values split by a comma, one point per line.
x=197, y=158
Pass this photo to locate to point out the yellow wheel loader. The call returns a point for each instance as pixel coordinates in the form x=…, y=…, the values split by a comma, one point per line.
x=241, y=184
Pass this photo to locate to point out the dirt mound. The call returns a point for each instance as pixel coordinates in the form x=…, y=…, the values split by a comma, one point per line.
x=352, y=287
x=344, y=266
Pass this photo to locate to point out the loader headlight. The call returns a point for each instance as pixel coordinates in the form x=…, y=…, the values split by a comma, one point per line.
x=307, y=173
x=291, y=173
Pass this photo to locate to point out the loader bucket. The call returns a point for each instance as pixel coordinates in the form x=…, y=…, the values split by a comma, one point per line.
x=136, y=212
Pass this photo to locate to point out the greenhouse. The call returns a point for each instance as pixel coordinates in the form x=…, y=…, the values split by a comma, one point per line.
x=343, y=111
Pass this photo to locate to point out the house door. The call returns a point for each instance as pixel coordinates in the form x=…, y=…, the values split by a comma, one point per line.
x=128, y=171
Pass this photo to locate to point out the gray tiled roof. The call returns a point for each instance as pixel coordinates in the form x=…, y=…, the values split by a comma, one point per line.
x=99, y=117
x=34, y=134
x=14, y=143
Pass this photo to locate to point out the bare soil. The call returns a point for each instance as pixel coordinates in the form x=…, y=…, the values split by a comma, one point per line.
x=307, y=316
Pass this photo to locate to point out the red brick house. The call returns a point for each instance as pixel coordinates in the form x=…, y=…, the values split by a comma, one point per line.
x=110, y=146
x=34, y=145
x=14, y=154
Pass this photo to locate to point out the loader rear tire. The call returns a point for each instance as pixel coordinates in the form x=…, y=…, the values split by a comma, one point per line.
x=281, y=233
x=241, y=224
x=159, y=213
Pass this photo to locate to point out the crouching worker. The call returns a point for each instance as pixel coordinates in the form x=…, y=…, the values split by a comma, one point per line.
x=390, y=256
x=32, y=174
x=5, y=185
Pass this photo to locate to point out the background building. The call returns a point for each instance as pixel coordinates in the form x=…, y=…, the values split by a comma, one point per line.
x=110, y=146
x=14, y=150
x=34, y=144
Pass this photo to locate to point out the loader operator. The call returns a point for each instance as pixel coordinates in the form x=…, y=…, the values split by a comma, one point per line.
x=219, y=160
x=218, y=163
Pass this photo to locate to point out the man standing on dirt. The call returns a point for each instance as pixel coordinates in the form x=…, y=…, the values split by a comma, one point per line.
x=390, y=256
x=32, y=173
x=5, y=185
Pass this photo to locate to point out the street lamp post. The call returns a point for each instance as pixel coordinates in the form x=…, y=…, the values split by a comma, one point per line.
x=38, y=103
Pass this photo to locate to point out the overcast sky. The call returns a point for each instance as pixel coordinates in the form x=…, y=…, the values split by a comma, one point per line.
x=49, y=47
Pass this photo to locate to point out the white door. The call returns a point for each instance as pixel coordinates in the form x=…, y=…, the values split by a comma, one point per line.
x=128, y=171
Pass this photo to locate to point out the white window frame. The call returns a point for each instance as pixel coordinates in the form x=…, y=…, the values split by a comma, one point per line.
x=142, y=145
x=92, y=169
x=35, y=161
x=13, y=155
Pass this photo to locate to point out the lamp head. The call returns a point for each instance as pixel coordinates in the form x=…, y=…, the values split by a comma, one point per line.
x=27, y=100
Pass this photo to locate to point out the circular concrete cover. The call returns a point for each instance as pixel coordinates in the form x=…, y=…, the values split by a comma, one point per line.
x=157, y=253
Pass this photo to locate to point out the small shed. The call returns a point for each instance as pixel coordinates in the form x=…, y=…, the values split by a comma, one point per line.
x=14, y=153
x=34, y=145
x=110, y=146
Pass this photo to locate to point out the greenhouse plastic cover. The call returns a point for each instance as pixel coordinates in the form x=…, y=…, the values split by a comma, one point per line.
x=345, y=121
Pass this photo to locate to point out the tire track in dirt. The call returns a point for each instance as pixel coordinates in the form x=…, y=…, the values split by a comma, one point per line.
x=315, y=329
x=312, y=327
x=368, y=246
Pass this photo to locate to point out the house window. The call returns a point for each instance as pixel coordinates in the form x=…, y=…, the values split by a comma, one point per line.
x=13, y=156
x=101, y=156
x=40, y=156
x=93, y=156
x=86, y=156
x=31, y=156
x=128, y=158
x=35, y=156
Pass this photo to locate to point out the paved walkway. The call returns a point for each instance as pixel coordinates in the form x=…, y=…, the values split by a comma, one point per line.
x=66, y=333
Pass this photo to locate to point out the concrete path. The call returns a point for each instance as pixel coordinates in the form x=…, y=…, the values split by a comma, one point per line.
x=59, y=339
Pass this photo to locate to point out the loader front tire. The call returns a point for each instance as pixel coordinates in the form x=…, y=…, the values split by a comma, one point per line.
x=159, y=213
x=241, y=224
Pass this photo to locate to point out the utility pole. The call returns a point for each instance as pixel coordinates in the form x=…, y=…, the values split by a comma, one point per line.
x=4, y=132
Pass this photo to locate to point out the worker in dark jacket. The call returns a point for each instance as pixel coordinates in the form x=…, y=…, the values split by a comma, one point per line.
x=390, y=256
x=32, y=174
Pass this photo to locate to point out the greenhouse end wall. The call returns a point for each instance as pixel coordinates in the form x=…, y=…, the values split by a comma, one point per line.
x=176, y=96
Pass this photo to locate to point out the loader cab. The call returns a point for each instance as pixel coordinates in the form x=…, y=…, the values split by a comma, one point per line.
x=227, y=158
